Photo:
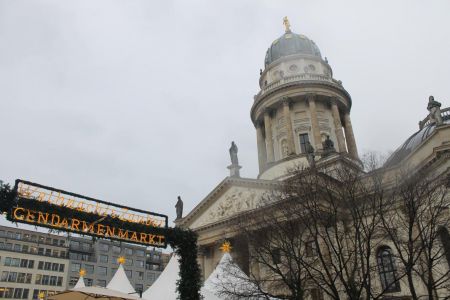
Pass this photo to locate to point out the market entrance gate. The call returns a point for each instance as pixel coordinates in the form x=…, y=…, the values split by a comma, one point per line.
x=55, y=209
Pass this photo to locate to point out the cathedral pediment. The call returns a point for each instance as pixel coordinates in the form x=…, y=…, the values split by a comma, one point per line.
x=230, y=198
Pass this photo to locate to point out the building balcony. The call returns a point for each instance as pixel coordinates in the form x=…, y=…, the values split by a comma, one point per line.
x=306, y=77
x=81, y=248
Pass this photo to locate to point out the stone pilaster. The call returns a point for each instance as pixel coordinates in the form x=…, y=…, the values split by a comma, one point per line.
x=269, y=138
x=338, y=127
x=351, y=143
x=262, y=154
x=314, y=122
x=289, y=130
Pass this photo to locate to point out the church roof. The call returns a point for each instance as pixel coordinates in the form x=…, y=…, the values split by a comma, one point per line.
x=290, y=44
x=412, y=143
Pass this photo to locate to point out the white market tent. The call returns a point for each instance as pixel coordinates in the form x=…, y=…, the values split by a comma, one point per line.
x=120, y=282
x=165, y=286
x=80, y=283
x=229, y=277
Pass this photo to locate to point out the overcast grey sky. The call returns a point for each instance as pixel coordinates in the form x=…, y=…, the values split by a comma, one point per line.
x=137, y=102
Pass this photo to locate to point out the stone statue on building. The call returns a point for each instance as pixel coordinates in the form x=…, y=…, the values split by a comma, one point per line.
x=179, y=208
x=328, y=146
x=434, y=107
x=234, y=167
x=310, y=152
x=233, y=154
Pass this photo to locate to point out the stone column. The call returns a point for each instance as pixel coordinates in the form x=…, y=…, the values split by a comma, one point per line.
x=314, y=123
x=289, y=130
x=262, y=155
x=269, y=139
x=351, y=143
x=338, y=127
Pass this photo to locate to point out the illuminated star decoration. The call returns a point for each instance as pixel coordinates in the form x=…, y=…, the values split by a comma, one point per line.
x=121, y=260
x=226, y=247
x=41, y=295
x=82, y=272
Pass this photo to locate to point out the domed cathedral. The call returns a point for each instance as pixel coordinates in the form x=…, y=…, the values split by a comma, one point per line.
x=300, y=107
x=302, y=117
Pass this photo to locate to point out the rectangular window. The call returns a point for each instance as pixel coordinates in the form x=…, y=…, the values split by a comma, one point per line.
x=48, y=252
x=128, y=251
x=140, y=275
x=30, y=264
x=101, y=283
x=12, y=277
x=21, y=278
x=40, y=265
x=103, y=258
x=41, y=251
x=17, y=247
x=89, y=269
x=139, y=287
x=104, y=247
x=23, y=263
x=129, y=273
x=38, y=279
x=61, y=267
x=304, y=140
x=45, y=279
x=116, y=249
x=139, y=252
x=47, y=266
x=59, y=282
x=55, y=267
x=75, y=267
x=140, y=263
x=128, y=262
x=73, y=281
x=4, y=276
x=52, y=280
x=18, y=293
x=88, y=281
x=102, y=271
x=25, y=293
x=310, y=249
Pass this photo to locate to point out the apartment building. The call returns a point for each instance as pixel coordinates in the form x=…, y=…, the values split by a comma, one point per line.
x=31, y=262
x=99, y=259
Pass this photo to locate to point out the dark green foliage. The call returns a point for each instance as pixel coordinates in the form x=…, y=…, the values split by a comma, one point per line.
x=184, y=242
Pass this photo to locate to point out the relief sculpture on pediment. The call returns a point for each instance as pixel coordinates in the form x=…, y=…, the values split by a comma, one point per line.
x=231, y=204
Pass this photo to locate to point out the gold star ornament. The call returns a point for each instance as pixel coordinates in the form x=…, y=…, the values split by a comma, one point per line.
x=41, y=295
x=82, y=272
x=121, y=260
x=226, y=247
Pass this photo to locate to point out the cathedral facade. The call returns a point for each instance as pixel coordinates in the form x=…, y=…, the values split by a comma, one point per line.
x=302, y=118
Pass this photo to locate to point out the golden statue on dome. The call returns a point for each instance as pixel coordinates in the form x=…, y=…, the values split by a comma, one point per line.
x=286, y=24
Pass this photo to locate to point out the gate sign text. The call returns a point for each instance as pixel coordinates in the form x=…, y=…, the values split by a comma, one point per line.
x=87, y=216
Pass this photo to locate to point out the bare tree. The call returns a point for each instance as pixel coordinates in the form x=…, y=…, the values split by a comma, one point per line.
x=329, y=232
x=415, y=217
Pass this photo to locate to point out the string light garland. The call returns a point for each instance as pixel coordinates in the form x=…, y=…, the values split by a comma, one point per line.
x=183, y=241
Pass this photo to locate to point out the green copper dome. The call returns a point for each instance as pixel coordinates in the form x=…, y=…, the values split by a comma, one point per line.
x=289, y=44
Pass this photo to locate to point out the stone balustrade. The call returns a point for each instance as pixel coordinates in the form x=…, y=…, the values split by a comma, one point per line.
x=445, y=113
x=299, y=77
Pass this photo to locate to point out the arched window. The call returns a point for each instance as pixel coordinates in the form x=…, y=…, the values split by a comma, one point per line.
x=445, y=239
x=387, y=270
